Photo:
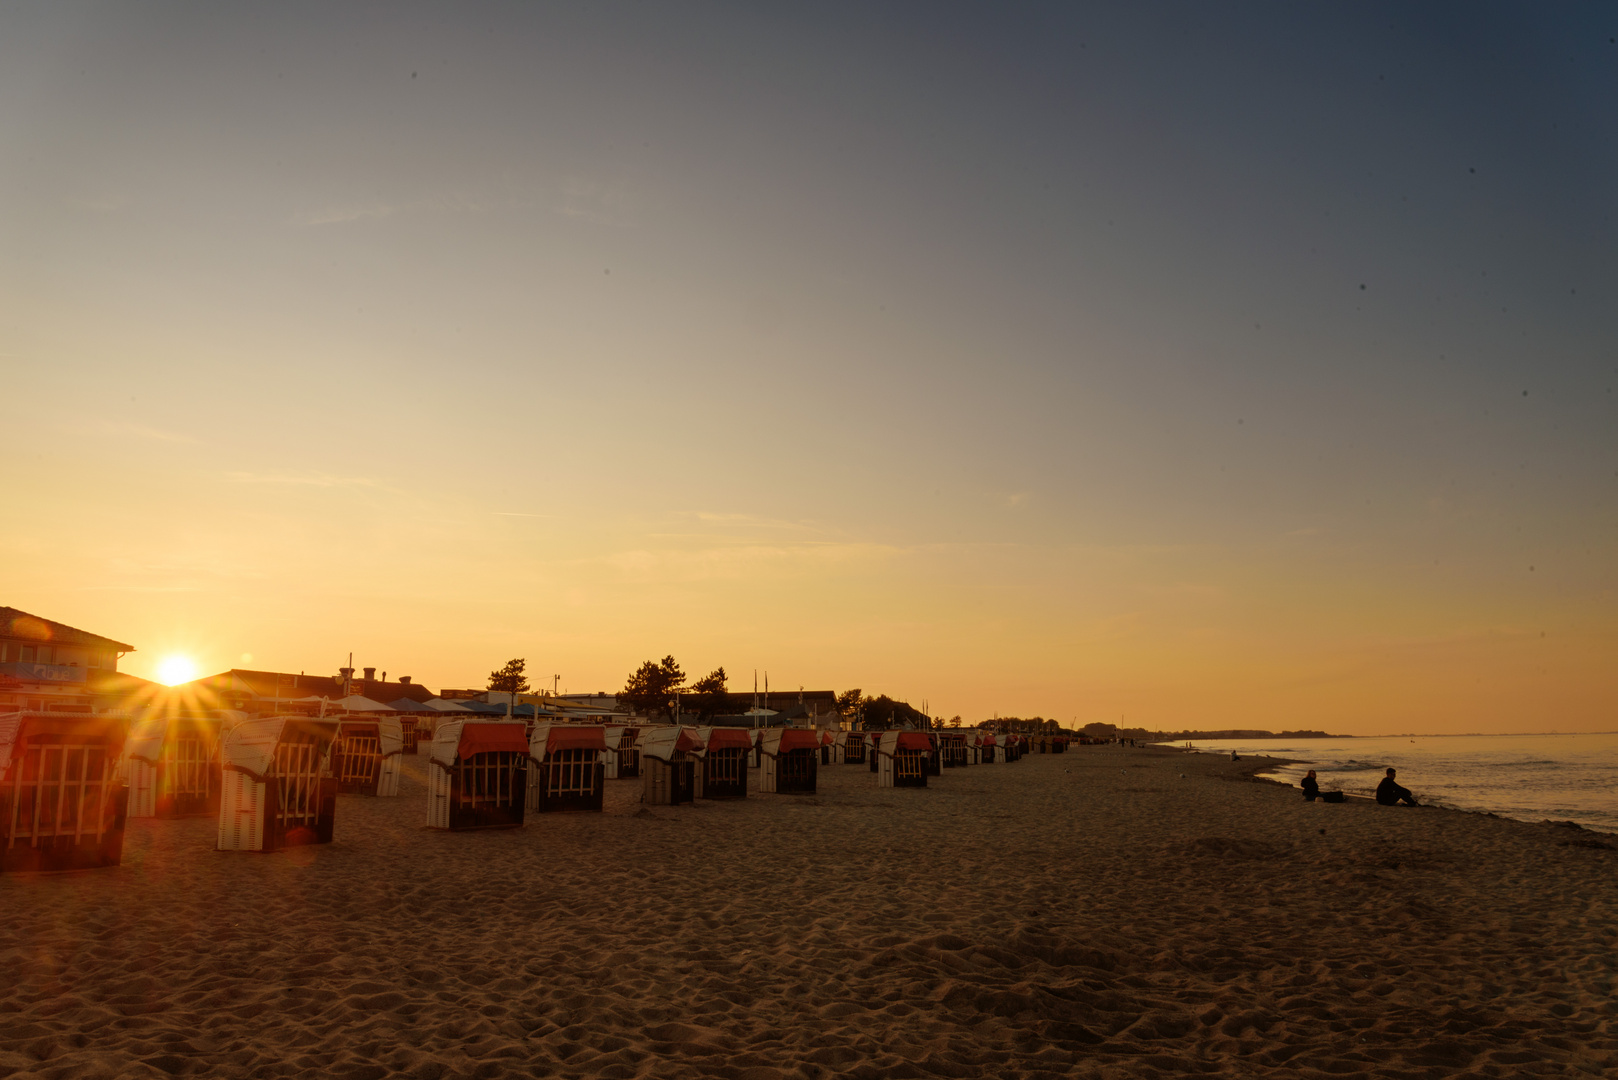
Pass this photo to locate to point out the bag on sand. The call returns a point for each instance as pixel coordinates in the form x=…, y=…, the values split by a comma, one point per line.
x=1332, y=796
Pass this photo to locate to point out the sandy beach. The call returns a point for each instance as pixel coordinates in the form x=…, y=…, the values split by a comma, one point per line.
x=1109, y=912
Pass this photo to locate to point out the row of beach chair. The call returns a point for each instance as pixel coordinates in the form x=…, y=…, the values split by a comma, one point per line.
x=69, y=781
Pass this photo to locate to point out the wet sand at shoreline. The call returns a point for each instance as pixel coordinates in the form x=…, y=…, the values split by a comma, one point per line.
x=1108, y=912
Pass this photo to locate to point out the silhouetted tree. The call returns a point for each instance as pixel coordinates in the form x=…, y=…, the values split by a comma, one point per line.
x=653, y=688
x=510, y=678
x=882, y=713
x=851, y=707
x=708, y=695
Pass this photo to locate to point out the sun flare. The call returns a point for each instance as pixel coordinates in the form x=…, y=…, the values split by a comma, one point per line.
x=173, y=670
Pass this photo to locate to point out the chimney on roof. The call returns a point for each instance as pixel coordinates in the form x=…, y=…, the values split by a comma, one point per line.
x=404, y=680
x=370, y=673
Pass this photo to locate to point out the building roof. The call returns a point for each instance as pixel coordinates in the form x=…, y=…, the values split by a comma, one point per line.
x=284, y=685
x=20, y=624
x=740, y=701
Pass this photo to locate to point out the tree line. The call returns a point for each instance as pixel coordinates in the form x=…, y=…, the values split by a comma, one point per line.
x=657, y=686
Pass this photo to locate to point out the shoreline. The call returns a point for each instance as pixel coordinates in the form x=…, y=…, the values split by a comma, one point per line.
x=1104, y=913
x=1428, y=799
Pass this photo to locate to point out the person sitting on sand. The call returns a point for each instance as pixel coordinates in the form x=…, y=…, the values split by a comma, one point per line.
x=1389, y=793
x=1311, y=787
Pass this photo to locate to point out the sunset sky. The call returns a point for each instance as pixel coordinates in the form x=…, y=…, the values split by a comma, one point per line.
x=1201, y=365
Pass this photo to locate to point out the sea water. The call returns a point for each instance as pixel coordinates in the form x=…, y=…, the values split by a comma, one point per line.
x=1529, y=777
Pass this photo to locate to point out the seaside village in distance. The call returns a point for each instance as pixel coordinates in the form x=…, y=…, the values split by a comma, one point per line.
x=84, y=746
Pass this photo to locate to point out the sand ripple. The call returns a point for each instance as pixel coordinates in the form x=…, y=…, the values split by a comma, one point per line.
x=1094, y=914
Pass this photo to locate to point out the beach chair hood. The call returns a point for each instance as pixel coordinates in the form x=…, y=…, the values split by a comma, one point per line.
x=663, y=742
x=781, y=740
x=726, y=738
x=550, y=737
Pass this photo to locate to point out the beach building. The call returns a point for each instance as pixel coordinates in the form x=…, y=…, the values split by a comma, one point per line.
x=47, y=666
x=278, y=788
x=281, y=693
x=62, y=806
x=797, y=708
x=668, y=764
x=901, y=758
x=172, y=765
x=790, y=757
x=566, y=767
x=477, y=774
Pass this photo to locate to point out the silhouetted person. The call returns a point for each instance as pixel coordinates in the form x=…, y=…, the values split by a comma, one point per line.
x=1311, y=787
x=1389, y=793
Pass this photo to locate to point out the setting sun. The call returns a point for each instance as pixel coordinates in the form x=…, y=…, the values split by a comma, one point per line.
x=176, y=669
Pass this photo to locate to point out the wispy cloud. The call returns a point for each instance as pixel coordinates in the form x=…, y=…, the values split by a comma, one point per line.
x=324, y=480
x=141, y=588
x=513, y=513
x=596, y=202
x=337, y=215
x=141, y=431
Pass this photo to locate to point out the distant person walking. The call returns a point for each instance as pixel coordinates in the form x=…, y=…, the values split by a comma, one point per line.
x=1389, y=793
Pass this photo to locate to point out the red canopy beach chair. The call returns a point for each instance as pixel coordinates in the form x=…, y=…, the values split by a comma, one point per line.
x=477, y=775
x=790, y=759
x=901, y=758
x=62, y=805
x=723, y=757
x=566, y=767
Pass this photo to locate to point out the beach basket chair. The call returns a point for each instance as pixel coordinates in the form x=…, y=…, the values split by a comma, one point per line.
x=668, y=764
x=623, y=751
x=952, y=750
x=409, y=727
x=987, y=750
x=566, y=770
x=278, y=789
x=901, y=758
x=791, y=757
x=854, y=747
x=935, y=761
x=722, y=762
x=62, y=803
x=477, y=775
x=827, y=747
x=173, y=768
x=365, y=758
